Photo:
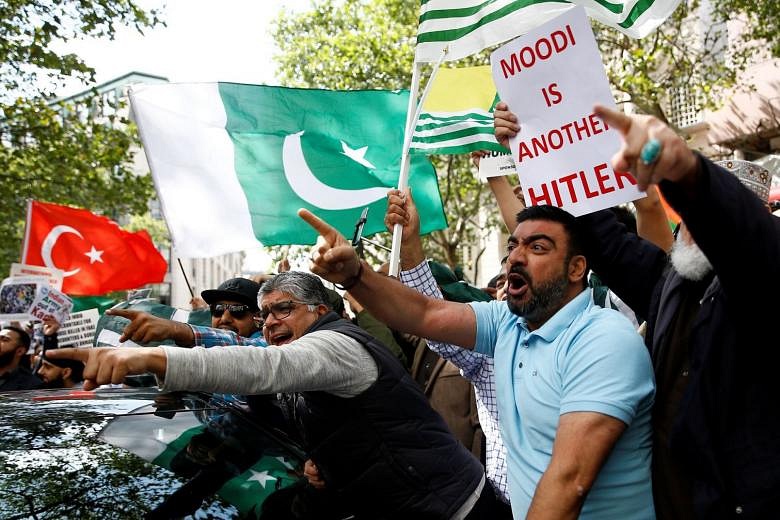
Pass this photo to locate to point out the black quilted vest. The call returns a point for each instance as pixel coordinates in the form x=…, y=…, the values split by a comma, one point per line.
x=386, y=453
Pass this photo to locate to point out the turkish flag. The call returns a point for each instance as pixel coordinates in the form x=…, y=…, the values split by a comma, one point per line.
x=94, y=253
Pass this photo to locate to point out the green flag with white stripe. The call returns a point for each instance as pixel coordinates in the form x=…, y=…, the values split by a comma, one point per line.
x=233, y=163
x=468, y=26
x=457, y=115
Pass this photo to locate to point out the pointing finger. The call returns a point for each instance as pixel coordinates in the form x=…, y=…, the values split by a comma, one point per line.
x=613, y=118
x=320, y=226
x=124, y=313
x=78, y=354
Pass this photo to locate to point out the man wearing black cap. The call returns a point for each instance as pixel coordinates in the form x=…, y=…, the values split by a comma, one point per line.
x=233, y=306
x=14, y=343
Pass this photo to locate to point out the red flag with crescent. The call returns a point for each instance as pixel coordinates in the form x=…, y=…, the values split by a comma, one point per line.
x=95, y=255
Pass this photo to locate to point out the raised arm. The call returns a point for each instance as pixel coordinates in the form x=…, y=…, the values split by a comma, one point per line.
x=651, y=221
x=403, y=309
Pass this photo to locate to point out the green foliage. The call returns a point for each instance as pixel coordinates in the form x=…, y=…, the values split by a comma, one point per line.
x=762, y=20
x=685, y=55
x=155, y=227
x=49, y=151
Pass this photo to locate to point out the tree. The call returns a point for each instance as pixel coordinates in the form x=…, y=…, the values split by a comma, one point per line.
x=49, y=151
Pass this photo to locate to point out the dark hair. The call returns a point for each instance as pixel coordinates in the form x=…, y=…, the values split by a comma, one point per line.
x=626, y=217
x=23, y=336
x=570, y=224
x=303, y=286
x=574, y=230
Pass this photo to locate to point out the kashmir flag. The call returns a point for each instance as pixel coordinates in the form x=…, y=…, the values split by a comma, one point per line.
x=233, y=163
x=468, y=26
x=95, y=255
x=457, y=115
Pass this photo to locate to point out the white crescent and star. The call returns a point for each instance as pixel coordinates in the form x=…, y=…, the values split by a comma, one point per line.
x=315, y=192
x=50, y=241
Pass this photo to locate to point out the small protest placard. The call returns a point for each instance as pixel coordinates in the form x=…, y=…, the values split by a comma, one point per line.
x=78, y=331
x=551, y=78
x=31, y=297
x=54, y=276
x=496, y=164
x=51, y=304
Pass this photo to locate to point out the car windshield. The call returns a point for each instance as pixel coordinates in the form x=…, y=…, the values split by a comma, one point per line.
x=137, y=453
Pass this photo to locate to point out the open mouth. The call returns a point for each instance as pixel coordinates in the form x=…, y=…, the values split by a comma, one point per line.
x=517, y=285
x=281, y=338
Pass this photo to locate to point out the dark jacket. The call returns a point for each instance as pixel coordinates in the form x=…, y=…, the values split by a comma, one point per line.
x=727, y=429
x=19, y=379
x=385, y=452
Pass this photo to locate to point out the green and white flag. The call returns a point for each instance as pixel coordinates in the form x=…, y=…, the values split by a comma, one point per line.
x=468, y=26
x=164, y=441
x=457, y=115
x=233, y=163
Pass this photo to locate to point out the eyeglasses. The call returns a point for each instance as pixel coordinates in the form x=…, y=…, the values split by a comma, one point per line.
x=280, y=310
x=239, y=312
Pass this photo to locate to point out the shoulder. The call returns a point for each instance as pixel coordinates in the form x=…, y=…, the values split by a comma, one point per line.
x=605, y=331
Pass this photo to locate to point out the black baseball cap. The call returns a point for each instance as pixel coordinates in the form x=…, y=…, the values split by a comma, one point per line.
x=242, y=290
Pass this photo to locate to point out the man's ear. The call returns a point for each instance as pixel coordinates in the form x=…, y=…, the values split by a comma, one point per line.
x=66, y=373
x=578, y=268
x=323, y=309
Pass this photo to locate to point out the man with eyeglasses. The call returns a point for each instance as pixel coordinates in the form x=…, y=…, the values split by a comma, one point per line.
x=378, y=446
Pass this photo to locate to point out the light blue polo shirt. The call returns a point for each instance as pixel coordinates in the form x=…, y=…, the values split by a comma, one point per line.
x=584, y=359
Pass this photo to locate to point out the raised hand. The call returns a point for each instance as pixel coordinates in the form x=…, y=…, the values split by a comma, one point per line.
x=401, y=210
x=504, y=124
x=674, y=161
x=332, y=257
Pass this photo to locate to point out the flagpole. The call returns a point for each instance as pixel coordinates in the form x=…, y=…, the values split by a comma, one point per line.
x=192, y=295
x=411, y=122
x=27, y=228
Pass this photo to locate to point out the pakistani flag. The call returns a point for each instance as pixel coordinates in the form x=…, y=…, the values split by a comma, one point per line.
x=233, y=163
x=171, y=443
x=457, y=115
x=468, y=26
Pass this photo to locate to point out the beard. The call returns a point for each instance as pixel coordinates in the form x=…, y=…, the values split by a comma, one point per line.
x=6, y=358
x=545, y=302
x=690, y=261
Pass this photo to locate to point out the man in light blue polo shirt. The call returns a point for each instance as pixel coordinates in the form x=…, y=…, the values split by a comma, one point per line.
x=574, y=381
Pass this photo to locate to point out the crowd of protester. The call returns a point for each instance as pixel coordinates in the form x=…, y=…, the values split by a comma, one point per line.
x=610, y=369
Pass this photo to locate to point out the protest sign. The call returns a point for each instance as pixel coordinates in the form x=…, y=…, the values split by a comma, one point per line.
x=496, y=164
x=51, y=304
x=54, y=276
x=31, y=297
x=78, y=331
x=551, y=78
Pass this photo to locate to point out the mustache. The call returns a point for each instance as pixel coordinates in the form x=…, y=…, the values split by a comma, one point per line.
x=518, y=269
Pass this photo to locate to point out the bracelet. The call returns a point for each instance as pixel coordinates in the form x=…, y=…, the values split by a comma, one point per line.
x=349, y=283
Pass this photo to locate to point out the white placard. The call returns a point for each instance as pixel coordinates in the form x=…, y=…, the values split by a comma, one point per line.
x=496, y=164
x=551, y=78
x=54, y=276
x=78, y=331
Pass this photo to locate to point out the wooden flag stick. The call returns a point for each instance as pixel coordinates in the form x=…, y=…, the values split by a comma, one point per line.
x=192, y=295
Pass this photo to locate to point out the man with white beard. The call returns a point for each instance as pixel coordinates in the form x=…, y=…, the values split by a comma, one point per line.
x=710, y=316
